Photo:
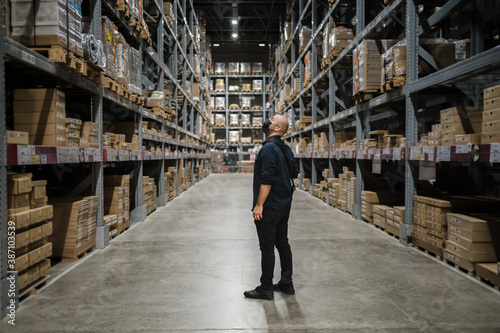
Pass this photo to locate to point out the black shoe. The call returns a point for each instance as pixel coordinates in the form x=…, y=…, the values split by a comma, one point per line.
x=284, y=288
x=259, y=293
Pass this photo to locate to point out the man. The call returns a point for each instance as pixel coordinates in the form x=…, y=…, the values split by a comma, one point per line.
x=272, y=190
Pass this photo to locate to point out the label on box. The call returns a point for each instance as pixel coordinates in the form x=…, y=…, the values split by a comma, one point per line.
x=494, y=157
x=396, y=154
x=460, y=49
x=443, y=153
x=495, y=148
x=463, y=149
x=428, y=150
x=415, y=153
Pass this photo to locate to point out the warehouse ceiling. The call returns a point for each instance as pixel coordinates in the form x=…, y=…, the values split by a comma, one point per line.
x=258, y=21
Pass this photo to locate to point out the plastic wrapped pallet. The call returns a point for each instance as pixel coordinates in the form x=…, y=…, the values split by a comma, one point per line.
x=122, y=60
x=233, y=68
x=220, y=102
x=340, y=37
x=45, y=23
x=134, y=77
x=245, y=68
x=234, y=136
x=257, y=68
x=108, y=30
x=220, y=85
x=234, y=119
x=220, y=68
x=246, y=102
x=257, y=85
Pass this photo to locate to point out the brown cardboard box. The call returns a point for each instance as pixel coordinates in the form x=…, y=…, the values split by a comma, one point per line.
x=379, y=220
x=22, y=262
x=381, y=209
x=438, y=227
x=35, y=256
x=44, y=267
x=43, y=128
x=491, y=126
x=474, y=236
x=22, y=220
x=23, y=281
x=490, y=137
x=39, y=189
x=48, y=212
x=39, y=95
x=35, y=234
x=18, y=200
x=491, y=92
x=491, y=115
x=47, y=229
x=34, y=273
x=17, y=137
x=470, y=245
x=468, y=222
x=465, y=139
x=491, y=104
x=19, y=183
x=22, y=239
x=47, y=250
x=472, y=256
x=399, y=219
x=37, y=215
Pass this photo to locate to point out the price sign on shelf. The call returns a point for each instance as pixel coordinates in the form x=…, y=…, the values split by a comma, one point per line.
x=396, y=154
x=494, y=157
x=415, y=153
x=463, y=149
x=495, y=148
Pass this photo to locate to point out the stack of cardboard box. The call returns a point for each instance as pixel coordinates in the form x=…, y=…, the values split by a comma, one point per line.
x=491, y=115
x=169, y=183
x=129, y=129
x=321, y=143
x=429, y=223
x=394, y=220
x=306, y=184
x=461, y=125
x=339, y=39
x=73, y=130
x=333, y=184
x=41, y=113
x=89, y=135
x=149, y=194
x=75, y=221
x=370, y=198
x=32, y=227
x=472, y=239
x=114, y=205
x=380, y=214
x=346, y=195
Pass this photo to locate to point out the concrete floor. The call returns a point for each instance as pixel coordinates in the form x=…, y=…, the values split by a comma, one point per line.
x=185, y=269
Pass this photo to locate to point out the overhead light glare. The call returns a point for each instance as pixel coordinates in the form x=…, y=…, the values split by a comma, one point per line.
x=235, y=35
x=234, y=21
x=216, y=44
x=262, y=44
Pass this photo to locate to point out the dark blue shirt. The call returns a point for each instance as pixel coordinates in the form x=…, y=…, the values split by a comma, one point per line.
x=271, y=169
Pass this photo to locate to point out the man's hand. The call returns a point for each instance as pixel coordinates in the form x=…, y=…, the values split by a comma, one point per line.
x=257, y=212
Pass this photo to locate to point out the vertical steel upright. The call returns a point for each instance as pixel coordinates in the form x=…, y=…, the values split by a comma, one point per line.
x=406, y=229
x=314, y=93
x=301, y=84
x=162, y=198
x=356, y=209
x=174, y=69
x=4, y=283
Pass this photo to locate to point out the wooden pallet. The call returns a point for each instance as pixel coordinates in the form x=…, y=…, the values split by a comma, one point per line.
x=459, y=268
x=81, y=255
x=325, y=63
x=234, y=143
x=391, y=234
x=428, y=252
x=95, y=73
x=488, y=273
x=245, y=108
x=219, y=90
x=33, y=288
x=257, y=90
x=109, y=83
x=234, y=108
x=306, y=83
x=246, y=73
x=246, y=90
x=256, y=107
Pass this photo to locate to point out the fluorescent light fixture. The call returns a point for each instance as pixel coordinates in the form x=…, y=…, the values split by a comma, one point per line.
x=262, y=44
x=234, y=21
x=235, y=35
x=216, y=44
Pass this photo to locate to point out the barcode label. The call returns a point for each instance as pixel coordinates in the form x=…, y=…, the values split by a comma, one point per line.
x=460, y=51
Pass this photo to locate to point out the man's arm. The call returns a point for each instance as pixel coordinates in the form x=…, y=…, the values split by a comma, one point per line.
x=259, y=207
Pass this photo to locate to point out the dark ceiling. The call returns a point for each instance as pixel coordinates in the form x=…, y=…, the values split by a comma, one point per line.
x=258, y=20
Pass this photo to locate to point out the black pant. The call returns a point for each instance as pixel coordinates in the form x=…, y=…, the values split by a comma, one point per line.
x=273, y=231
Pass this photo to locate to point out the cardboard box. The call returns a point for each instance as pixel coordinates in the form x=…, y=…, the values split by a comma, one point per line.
x=465, y=139
x=19, y=183
x=37, y=215
x=35, y=234
x=47, y=229
x=22, y=239
x=436, y=226
x=470, y=245
x=22, y=220
x=472, y=256
x=35, y=256
x=491, y=115
x=47, y=250
x=39, y=189
x=381, y=209
x=491, y=126
x=491, y=92
x=467, y=222
x=17, y=137
x=23, y=281
x=22, y=262
x=48, y=212
x=379, y=220
x=491, y=137
x=474, y=236
x=18, y=200
x=39, y=95
x=44, y=267
x=492, y=104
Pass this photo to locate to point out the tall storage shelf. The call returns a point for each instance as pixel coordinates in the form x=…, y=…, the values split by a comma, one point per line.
x=237, y=114
x=321, y=93
x=179, y=139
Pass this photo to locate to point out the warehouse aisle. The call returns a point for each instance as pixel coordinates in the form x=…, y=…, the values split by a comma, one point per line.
x=185, y=269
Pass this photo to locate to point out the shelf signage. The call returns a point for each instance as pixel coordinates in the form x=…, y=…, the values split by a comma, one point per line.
x=443, y=153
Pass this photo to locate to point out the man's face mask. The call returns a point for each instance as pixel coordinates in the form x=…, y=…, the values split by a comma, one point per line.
x=265, y=126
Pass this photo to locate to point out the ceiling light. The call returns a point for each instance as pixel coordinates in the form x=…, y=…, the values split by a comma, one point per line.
x=235, y=35
x=234, y=21
x=262, y=44
x=216, y=44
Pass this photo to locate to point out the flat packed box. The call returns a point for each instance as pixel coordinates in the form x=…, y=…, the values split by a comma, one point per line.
x=17, y=137
x=472, y=256
x=18, y=183
x=465, y=139
x=471, y=245
x=39, y=95
x=381, y=209
x=492, y=104
x=490, y=137
x=379, y=220
x=18, y=200
x=491, y=115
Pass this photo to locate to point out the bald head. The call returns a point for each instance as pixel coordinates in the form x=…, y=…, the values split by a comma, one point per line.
x=281, y=124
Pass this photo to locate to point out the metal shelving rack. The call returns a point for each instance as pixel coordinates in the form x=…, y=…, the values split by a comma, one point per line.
x=226, y=94
x=398, y=107
x=157, y=70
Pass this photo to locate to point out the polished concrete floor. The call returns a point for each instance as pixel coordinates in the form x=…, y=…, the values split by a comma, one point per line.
x=185, y=268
